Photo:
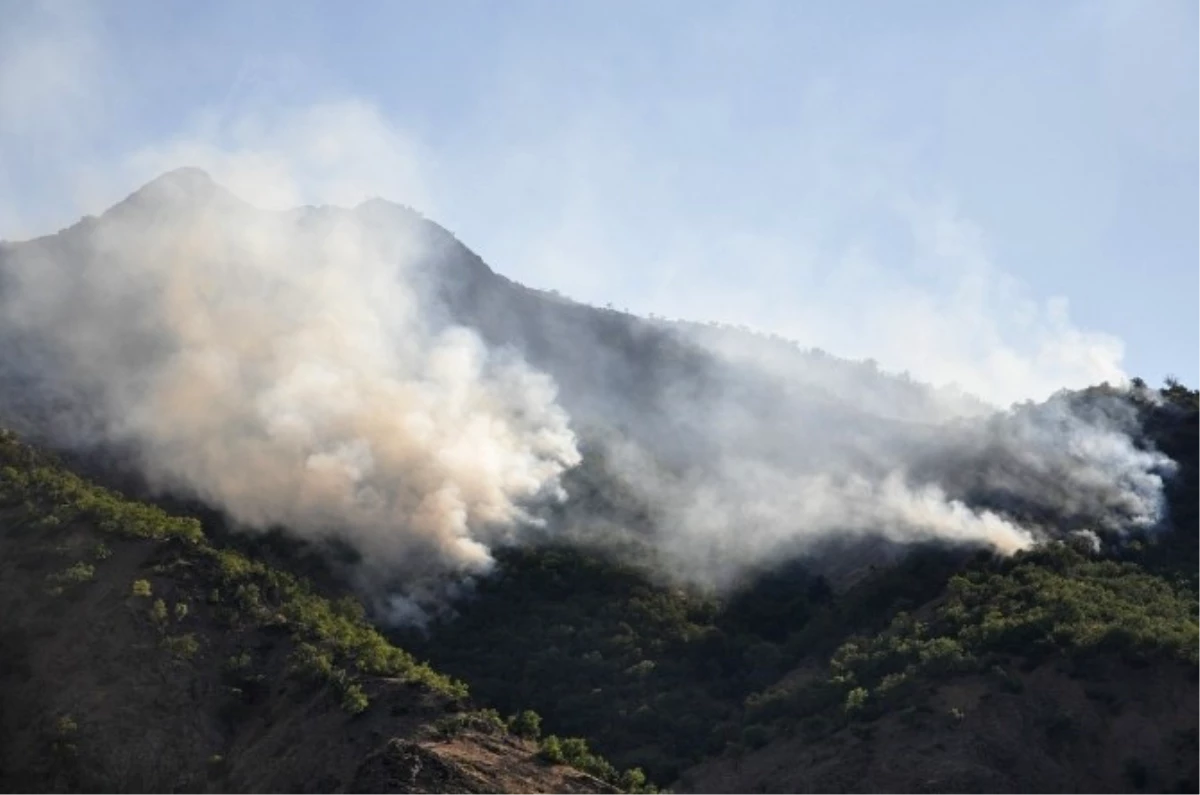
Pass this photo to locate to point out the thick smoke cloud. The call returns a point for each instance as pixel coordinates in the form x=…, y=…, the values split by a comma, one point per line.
x=283, y=367
x=806, y=453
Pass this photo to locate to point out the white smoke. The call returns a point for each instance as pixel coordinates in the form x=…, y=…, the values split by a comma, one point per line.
x=282, y=366
x=772, y=480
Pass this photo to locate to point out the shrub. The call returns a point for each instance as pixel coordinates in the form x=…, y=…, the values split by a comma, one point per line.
x=856, y=699
x=182, y=646
x=634, y=780
x=551, y=750
x=354, y=699
x=527, y=724
x=575, y=752
x=238, y=662
x=141, y=588
x=487, y=721
x=73, y=575
x=310, y=662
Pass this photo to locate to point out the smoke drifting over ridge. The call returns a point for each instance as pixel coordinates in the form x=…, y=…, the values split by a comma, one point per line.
x=283, y=367
x=299, y=369
x=807, y=455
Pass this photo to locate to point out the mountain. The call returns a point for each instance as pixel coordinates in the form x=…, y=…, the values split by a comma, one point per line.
x=138, y=656
x=271, y=459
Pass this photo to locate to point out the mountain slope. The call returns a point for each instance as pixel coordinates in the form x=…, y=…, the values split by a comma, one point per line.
x=977, y=674
x=137, y=656
x=1063, y=669
x=684, y=608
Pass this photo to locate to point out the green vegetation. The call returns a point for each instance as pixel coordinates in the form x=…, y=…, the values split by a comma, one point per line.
x=62, y=738
x=659, y=677
x=526, y=724
x=73, y=575
x=597, y=649
x=485, y=721
x=65, y=726
x=574, y=751
x=334, y=641
x=58, y=497
x=655, y=676
x=334, y=645
x=1049, y=602
x=333, y=638
x=1053, y=602
x=183, y=646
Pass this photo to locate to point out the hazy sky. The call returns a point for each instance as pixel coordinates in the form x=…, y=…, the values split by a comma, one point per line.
x=1001, y=194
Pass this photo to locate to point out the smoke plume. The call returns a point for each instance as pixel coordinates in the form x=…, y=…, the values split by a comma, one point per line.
x=796, y=455
x=284, y=367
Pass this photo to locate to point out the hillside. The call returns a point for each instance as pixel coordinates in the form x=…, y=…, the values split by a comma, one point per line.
x=201, y=692
x=708, y=555
x=946, y=672
x=138, y=656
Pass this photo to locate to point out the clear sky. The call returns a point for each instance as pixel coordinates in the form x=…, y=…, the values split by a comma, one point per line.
x=999, y=194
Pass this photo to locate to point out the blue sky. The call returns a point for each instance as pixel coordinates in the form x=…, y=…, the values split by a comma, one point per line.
x=1002, y=195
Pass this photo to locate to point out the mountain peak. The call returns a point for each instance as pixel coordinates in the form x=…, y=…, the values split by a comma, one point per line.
x=186, y=181
x=185, y=175
x=181, y=187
